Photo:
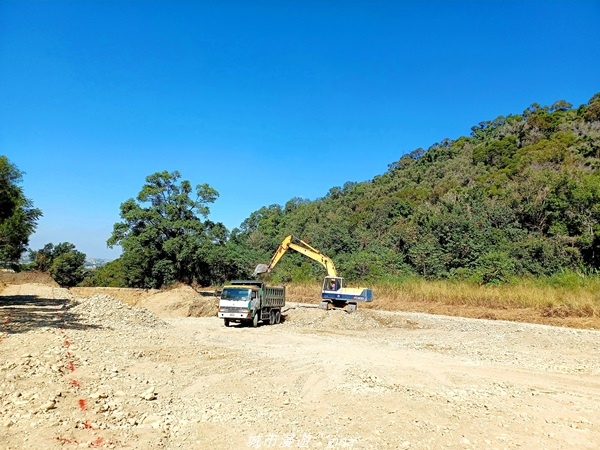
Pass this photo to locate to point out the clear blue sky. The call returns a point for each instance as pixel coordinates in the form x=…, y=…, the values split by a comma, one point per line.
x=257, y=98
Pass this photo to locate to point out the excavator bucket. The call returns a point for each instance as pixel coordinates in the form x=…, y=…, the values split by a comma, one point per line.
x=261, y=268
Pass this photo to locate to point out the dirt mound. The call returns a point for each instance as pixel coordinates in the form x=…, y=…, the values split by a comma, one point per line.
x=181, y=301
x=27, y=278
x=108, y=311
x=41, y=291
x=131, y=296
x=309, y=316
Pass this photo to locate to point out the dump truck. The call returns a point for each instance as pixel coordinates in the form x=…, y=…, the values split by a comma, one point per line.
x=334, y=293
x=251, y=301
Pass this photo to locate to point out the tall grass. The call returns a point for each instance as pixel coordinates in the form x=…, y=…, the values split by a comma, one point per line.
x=564, y=295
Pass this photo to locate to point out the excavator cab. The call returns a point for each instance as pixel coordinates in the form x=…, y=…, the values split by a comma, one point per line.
x=333, y=283
x=335, y=295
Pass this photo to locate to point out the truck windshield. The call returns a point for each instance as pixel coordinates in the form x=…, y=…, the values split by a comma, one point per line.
x=235, y=294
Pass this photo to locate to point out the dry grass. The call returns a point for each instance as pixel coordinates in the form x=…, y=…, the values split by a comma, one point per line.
x=580, y=301
x=574, y=306
x=303, y=292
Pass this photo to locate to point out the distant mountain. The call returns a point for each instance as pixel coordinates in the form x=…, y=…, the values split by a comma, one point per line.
x=90, y=263
x=94, y=263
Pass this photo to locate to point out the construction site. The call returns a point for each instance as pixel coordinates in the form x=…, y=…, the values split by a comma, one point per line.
x=141, y=369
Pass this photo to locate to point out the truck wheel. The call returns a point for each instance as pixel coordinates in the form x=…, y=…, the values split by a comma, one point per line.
x=226, y=322
x=255, y=319
x=277, y=316
x=273, y=317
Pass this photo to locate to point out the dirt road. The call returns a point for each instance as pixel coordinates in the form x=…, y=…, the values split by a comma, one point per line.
x=94, y=372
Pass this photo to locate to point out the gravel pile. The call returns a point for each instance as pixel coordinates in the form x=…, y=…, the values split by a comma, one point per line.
x=314, y=318
x=108, y=311
x=311, y=317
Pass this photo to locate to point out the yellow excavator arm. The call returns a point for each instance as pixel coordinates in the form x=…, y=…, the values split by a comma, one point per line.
x=301, y=247
x=334, y=291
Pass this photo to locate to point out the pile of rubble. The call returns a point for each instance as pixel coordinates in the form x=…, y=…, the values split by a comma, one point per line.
x=309, y=316
x=106, y=311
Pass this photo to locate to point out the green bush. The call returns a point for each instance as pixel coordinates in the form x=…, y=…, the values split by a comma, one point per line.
x=68, y=269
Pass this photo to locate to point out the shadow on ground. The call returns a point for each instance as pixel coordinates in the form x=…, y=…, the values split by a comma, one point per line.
x=22, y=313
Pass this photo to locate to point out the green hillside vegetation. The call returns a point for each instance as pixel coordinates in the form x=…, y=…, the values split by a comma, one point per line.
x=518, y=197
x=504, y=223
x=506, y=219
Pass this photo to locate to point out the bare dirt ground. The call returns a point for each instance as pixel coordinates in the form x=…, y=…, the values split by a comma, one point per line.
x=83, y=369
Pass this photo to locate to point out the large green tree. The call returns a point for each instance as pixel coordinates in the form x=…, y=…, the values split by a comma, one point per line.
x=63, y=261
x=18, y=217
x=67, y=267
x=165, y=233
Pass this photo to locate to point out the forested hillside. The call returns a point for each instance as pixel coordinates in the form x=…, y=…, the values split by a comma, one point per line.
x=519, y=196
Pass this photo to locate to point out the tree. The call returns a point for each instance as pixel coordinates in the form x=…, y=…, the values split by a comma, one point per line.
x=111, y=274
x=560, y=105
x=42, y=259
x=163, y=236
x=68, y=268
x=592, y=112
x=63, y=261
x=18, y=217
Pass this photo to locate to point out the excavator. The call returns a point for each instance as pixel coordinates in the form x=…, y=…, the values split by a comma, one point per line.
x=334, y=294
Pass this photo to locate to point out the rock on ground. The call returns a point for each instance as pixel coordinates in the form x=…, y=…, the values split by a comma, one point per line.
x=94, y=372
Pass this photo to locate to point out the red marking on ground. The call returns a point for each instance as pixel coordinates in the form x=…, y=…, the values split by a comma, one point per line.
x=66, y=440
x=67, y=343
x=98, y=442
x=82, y=404
x=71, y=366
x=75, y=383
x=88, y=425
x=69, y=354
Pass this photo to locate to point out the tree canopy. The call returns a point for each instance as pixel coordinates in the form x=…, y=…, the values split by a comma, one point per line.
x=63, y=261
x=165, y=233
x=18, y=217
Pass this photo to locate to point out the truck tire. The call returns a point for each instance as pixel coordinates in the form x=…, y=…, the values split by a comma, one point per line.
x=278, y=316
x=226, y=322
x=255, y=319
x=272, y=317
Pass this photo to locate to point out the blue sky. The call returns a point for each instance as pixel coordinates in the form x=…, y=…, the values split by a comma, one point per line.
x=263, y=100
